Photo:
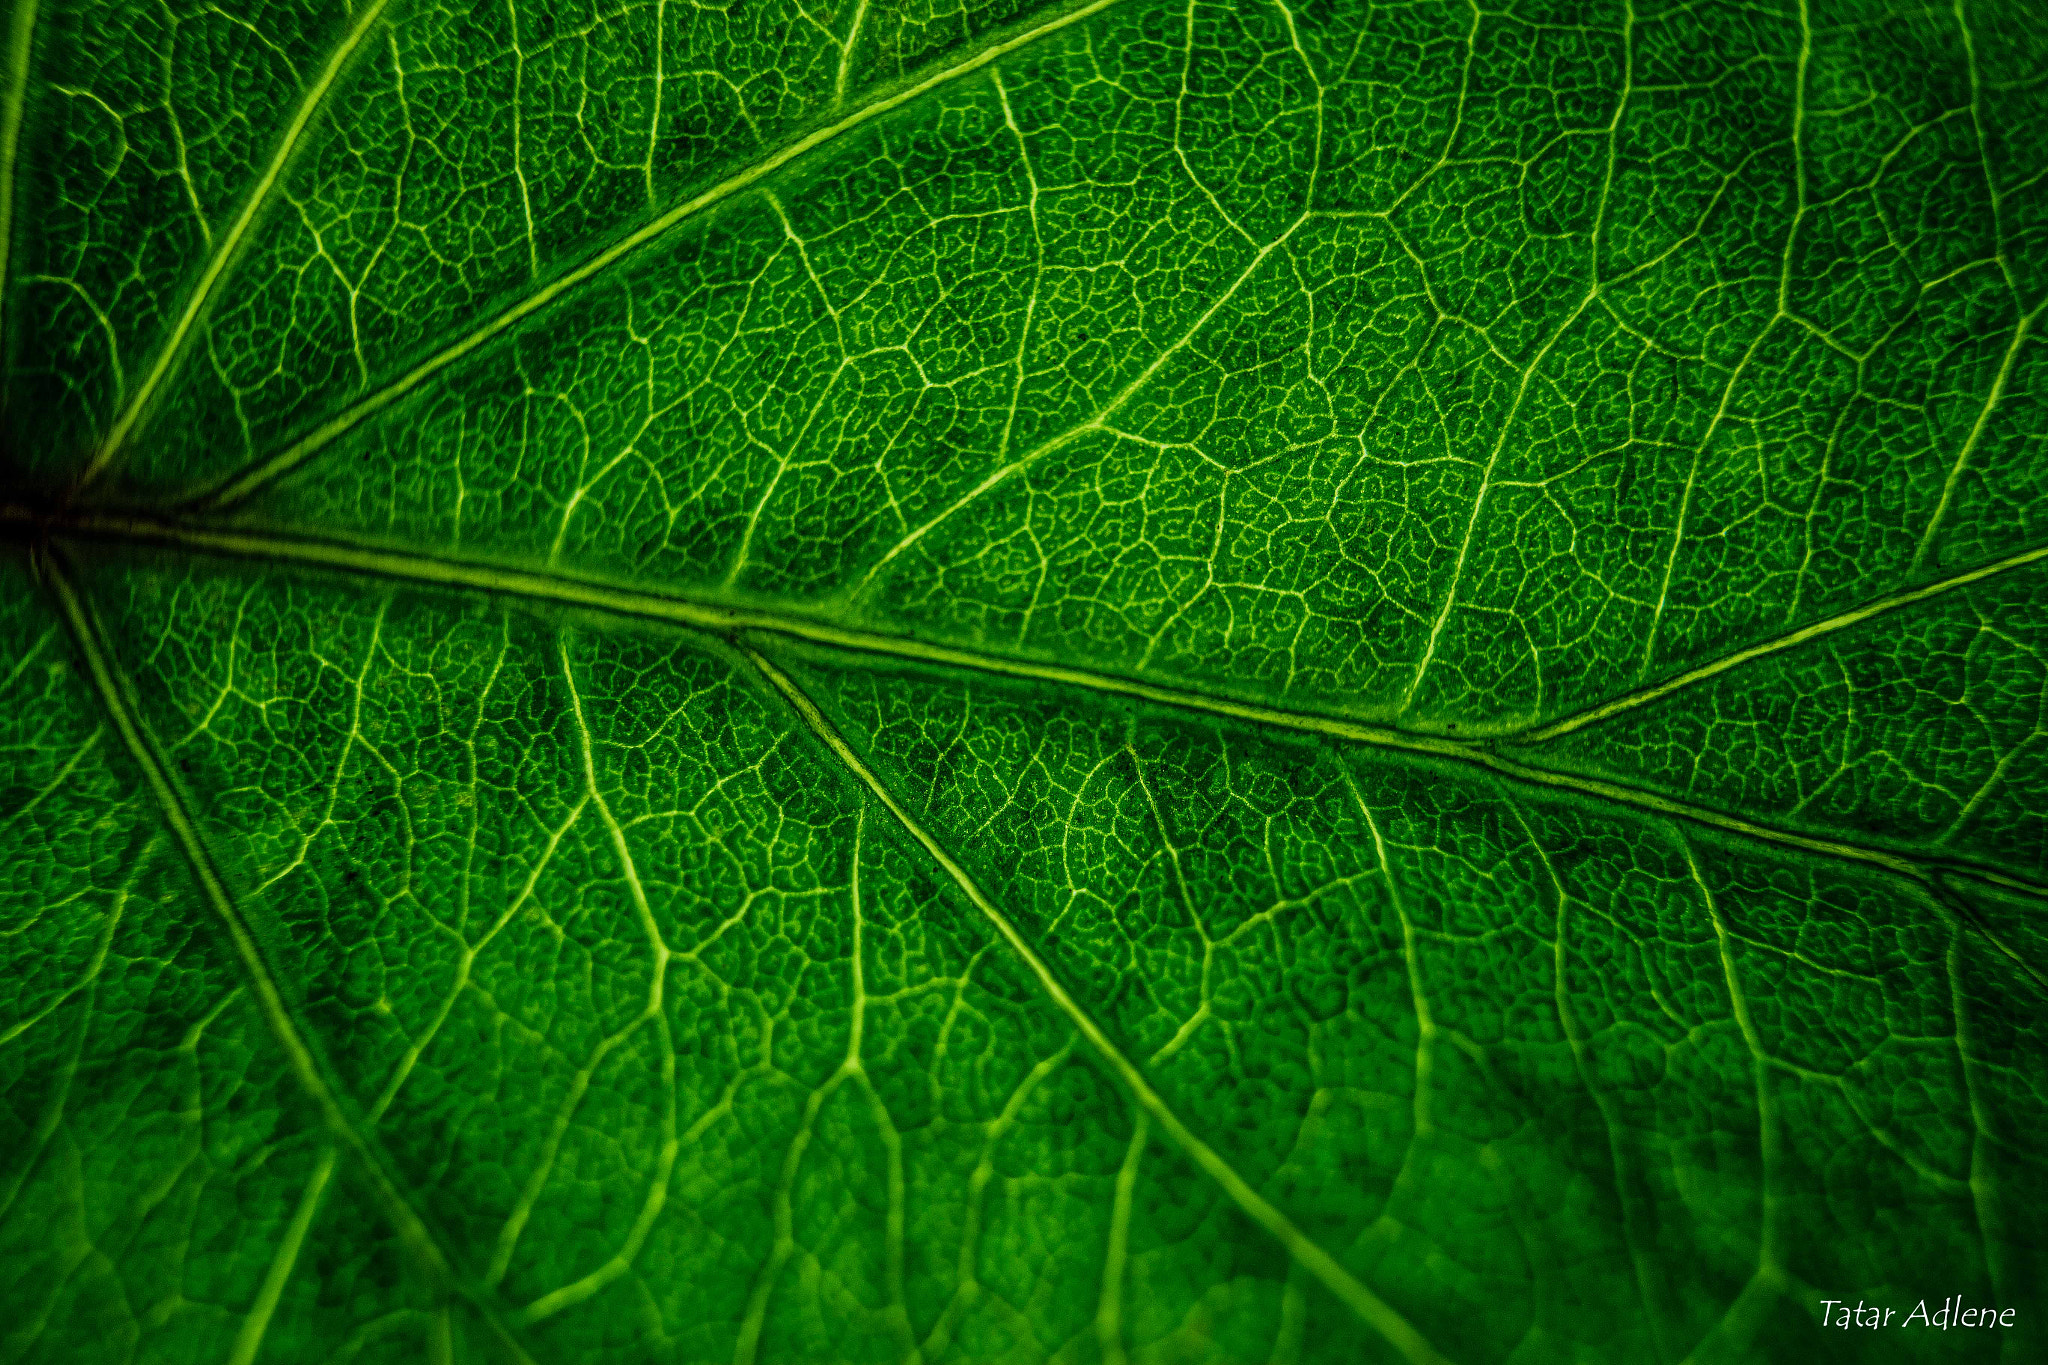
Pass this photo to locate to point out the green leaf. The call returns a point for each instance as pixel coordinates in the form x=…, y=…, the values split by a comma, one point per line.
x=1093, y=683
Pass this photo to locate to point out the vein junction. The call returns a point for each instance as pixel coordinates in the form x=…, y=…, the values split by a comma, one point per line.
x=1509, y=758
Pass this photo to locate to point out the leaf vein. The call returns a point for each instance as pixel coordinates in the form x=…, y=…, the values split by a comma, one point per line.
x=734, y=622
x=1334, y=1277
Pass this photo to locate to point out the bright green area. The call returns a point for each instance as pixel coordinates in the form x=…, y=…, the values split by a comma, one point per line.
x=1392, y=702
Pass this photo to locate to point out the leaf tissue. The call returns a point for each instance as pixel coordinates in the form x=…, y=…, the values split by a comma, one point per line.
x=1087, y=683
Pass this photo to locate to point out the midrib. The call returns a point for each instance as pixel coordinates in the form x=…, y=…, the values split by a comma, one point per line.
x=743, y=623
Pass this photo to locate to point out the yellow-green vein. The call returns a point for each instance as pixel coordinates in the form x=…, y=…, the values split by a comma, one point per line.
x=242, y=483
x=1992, y=398
x=249, y=1340
x=260, y=976
x=1732, y=1335
x=221, y=259
x=1777, y=644
x=20, y=40
x=563, y=590
x=1346, y=1287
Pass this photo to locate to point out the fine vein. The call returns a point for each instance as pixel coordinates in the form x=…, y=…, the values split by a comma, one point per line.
x=1334, y=1277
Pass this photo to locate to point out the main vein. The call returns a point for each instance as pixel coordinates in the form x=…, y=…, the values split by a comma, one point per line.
x=737, y=622
x=246, y=481
x=256, y=965
x=221, y=260
x=1333, y=1276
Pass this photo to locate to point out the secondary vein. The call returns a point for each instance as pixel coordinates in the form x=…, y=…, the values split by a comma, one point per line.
x=1992, y=398
x=20, y=41
x=245, y=482
x=256, y=966
x=1333, y=1276
x=220, y=262
x=1777, y=644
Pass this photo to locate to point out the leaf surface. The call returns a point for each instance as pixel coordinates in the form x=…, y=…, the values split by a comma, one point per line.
x=1093, y=683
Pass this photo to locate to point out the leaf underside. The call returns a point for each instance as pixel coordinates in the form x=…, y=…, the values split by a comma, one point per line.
x=1095, y=683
